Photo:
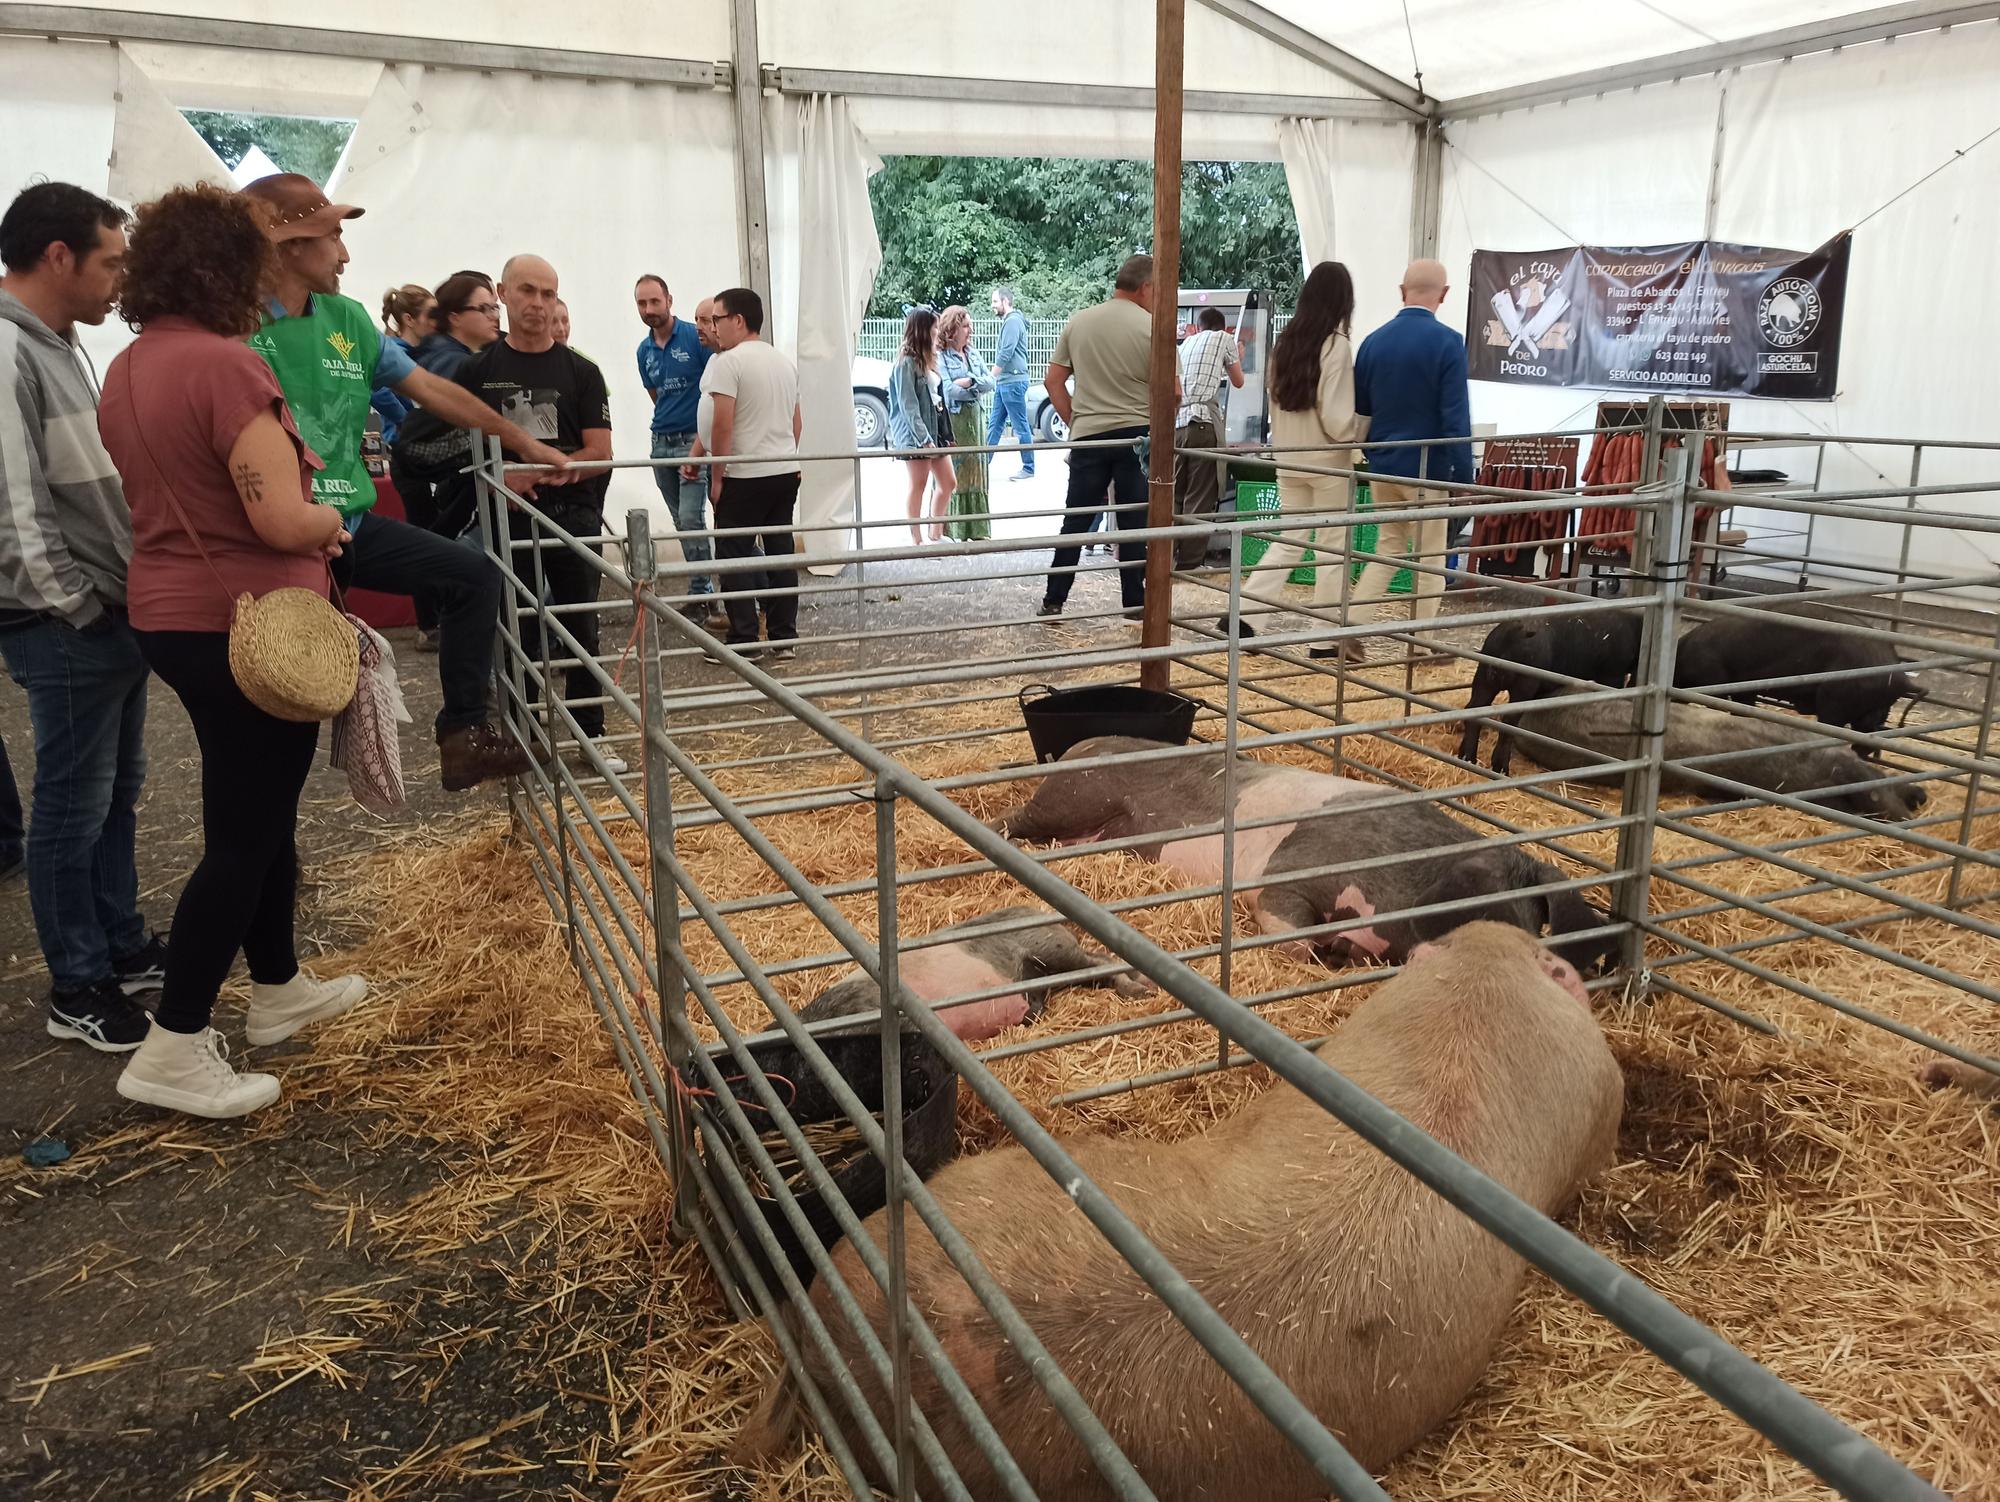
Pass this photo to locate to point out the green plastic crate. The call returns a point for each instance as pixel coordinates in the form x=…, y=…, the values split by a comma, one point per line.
x=1262, y=496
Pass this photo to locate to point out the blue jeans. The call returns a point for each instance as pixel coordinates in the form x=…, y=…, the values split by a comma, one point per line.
x=687, y=500
x=1010, y=404
x=87, y=697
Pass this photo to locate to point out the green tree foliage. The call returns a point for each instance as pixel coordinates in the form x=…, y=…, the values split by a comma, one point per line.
x=295, y=142
x=1058, y=227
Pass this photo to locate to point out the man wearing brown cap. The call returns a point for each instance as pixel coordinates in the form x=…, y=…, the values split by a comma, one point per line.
x=328, y=356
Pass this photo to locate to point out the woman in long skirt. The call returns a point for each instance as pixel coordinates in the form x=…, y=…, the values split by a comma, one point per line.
x=965, y=380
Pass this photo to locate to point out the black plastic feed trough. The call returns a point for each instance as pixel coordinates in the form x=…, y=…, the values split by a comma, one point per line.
x=930, y=1133
x=1059, y=718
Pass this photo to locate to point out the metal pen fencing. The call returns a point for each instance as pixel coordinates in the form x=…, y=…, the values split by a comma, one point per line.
x=671, y=879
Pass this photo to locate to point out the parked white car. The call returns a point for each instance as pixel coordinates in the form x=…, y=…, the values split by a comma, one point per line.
x=871, y=402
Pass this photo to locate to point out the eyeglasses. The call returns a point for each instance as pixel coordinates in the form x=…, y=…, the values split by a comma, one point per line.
x=481, y=307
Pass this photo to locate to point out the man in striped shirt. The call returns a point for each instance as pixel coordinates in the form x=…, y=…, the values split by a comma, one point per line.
x=1207, y=359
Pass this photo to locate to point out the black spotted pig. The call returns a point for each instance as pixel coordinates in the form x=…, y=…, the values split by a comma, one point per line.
x=1077, y=806
x=1325, y=822
x=1781, y=761
x=938, y=972
x=1373, y=1300
x=1358, y=830
x=1602, y=648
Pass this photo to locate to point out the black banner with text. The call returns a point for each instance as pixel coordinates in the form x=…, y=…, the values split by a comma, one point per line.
x=1705, y=317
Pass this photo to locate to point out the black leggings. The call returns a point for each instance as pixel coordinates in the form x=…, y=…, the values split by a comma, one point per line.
x=243, y=893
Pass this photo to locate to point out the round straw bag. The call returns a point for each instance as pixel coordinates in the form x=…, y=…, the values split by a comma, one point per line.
x=294, y=656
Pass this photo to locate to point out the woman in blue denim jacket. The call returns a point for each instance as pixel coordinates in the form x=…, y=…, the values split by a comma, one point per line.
x=913, y=423
x=964, y=378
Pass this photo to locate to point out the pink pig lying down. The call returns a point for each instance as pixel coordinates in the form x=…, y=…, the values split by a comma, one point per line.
x=1372, y=1299
x=938, y=973
x=1384, y=858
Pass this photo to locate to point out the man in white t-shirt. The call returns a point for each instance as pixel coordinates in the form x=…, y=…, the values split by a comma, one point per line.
x=750, y=407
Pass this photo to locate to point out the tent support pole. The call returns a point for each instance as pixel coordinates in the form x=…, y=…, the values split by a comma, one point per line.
x=752, y=207
x=1169, y=48
x=1715, y=158
x=1426, y=191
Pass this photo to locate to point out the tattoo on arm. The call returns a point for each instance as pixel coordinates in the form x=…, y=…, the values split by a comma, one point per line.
x=249, y=483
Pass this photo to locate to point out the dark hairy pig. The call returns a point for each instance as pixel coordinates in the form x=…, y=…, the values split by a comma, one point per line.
x=1600, y=648
x=1780, y=760
x=1781, y=643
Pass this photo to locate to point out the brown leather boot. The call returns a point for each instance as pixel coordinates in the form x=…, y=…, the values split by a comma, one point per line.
x=478, y=753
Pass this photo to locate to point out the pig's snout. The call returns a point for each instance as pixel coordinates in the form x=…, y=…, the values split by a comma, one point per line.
x=1564, y=974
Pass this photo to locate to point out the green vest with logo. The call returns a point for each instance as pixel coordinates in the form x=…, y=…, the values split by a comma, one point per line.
x=325, y=361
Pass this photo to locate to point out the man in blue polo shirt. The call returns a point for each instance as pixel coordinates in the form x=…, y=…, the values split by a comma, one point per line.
x=1410, y=383
x=671, y=360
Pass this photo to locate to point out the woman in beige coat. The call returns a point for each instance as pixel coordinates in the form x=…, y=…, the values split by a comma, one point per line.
x=1312, y=409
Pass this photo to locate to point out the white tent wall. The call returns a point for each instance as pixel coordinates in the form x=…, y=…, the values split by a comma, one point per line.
x=818, y=186
x=1809, y=147
x=1350, y=183
x=1820, y=143
x=153, y=148
x=58, y=114
x=936, y=127
x=87, y=113
x=606, y=180
x=1626, y=169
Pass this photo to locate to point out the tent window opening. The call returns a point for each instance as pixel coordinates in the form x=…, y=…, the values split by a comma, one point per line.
x=254, y=146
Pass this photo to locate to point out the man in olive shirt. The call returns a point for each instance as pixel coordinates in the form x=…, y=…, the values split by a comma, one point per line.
x=1108, y=351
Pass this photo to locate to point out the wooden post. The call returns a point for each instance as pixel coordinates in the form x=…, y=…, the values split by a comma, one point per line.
x=1168, y=53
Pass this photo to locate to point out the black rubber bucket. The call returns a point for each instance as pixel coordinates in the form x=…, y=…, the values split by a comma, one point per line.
x=930, y=1136
x=1059, y=718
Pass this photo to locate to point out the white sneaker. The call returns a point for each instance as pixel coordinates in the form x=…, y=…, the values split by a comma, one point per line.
x=191, y=1072
x=613, y=762
x=276, y=1012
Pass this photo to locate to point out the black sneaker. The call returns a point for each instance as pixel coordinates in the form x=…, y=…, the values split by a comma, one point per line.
x=1048, y=608
x=142, y=971
x=100, y=1015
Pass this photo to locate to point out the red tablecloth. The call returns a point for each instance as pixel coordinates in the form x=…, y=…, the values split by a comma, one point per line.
x=381, y=611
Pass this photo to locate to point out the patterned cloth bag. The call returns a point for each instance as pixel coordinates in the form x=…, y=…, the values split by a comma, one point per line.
x=364, y=733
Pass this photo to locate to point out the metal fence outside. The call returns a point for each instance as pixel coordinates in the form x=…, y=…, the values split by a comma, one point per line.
x=881, y=338
x=672, y=959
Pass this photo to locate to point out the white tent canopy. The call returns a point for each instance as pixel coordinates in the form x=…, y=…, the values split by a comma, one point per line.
x=720, y=141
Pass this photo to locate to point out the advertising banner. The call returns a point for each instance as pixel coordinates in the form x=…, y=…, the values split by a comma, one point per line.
x=1705, y=318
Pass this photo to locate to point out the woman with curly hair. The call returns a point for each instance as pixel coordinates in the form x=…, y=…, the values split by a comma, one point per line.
x=963, y=379
x=915, y=423
x=218, y=480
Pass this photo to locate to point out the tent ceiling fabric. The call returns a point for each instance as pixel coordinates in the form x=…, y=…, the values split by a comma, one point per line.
x=1473, y=46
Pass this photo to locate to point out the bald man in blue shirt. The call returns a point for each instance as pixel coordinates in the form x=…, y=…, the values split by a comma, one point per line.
x=1410, y=383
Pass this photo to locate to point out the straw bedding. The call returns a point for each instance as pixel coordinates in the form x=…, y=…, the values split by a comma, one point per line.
x=1801, y=1193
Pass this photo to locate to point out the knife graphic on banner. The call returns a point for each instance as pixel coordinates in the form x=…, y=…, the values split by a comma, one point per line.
x=1509, y=316
x=1544, y=320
